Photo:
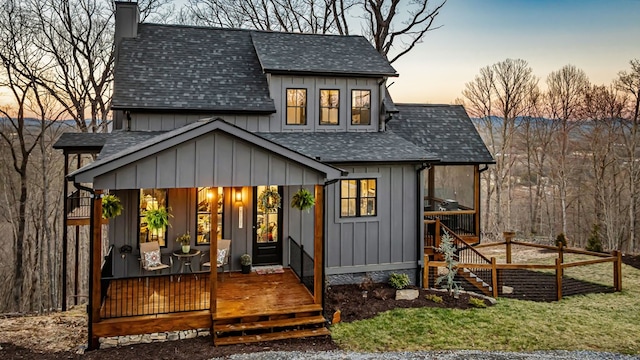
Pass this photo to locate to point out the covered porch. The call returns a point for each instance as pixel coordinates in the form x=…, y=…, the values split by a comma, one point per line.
x=242, y=307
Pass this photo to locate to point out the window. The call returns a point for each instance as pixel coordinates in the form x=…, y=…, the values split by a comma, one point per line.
x=205, y=203
x=358, y=198
x=151, y=199
x=329, y=107
x=360, y=107
x=296, y=106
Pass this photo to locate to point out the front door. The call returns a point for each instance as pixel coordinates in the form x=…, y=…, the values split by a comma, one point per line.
x=267, y=234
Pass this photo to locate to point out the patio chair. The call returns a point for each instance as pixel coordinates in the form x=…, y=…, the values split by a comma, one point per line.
x=222, y=258
x=151, y=258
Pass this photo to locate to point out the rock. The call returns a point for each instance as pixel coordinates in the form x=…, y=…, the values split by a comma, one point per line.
x=407, y=294
x=507, y=290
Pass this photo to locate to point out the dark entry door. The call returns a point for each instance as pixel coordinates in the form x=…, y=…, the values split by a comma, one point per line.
x=267, y=231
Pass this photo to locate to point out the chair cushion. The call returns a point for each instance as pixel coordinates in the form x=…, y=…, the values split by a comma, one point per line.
x=222, y=253
x=152, y=258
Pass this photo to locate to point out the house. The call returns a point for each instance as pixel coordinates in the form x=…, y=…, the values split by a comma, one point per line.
x=206, y=122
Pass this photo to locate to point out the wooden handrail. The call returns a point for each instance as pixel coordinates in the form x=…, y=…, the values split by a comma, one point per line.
x=459, y=241
x=565, y=249
x=451, y=212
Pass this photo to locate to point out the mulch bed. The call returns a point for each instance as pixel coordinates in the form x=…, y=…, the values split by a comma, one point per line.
x=632, y=260
x=358, y=302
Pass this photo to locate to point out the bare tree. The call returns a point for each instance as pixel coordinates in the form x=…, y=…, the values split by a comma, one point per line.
x=629, y=82
x=565, y=94
x=499, y=95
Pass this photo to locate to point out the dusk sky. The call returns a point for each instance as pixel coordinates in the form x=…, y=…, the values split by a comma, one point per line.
x=597, y=36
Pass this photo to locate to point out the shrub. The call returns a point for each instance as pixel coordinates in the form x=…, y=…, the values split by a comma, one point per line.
x=561, y=239
x=449, y=251
x=245, y=259
x=399, y=281
x=594, y=243
x=475, y=302
x=435, y=298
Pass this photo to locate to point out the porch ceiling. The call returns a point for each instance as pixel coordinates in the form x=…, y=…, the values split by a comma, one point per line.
x=205, y=153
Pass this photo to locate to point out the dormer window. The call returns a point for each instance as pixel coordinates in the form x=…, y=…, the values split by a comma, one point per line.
x=329, y=107
x=296, y=106
x=360, y=107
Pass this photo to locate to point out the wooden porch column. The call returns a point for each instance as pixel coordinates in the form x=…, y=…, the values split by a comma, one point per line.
x=65, y=240
x=213, y=255
x=95, y=248
x=318, y=248
x=476, y=199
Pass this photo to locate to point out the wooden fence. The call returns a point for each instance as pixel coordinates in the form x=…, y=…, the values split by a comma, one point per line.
x=615, y=258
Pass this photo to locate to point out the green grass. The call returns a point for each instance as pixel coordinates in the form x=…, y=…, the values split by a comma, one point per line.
x=601, y=322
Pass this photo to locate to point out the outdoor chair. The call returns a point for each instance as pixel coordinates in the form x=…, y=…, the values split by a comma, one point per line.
x=222, y=258
x=151, y=258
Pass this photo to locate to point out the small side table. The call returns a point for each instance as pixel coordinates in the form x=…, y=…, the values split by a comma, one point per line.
x=185, y=260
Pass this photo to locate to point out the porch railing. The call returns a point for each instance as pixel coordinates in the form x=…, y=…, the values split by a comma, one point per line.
x=462, y=222
x=106, y=272
x=79, y=205
x=154, y=294
x=301, y=263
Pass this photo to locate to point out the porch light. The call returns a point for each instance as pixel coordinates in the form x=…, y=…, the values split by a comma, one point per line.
x=238, y=195
x=240, y=207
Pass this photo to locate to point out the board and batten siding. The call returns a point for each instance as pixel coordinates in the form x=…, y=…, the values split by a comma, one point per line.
x=214, y=159
x=387, y=241
x=278, y=85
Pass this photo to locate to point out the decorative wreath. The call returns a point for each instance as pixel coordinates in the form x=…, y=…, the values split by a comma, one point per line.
x=269, y=200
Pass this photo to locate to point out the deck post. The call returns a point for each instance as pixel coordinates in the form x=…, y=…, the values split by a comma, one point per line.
x=213, y=256
x=318, y=249
x=425, y=274
x=65, y=234
x=561, y=257
x=436, y=236
x=494, y=277
x=559, y=279
x=508, y=236
x=95, y=246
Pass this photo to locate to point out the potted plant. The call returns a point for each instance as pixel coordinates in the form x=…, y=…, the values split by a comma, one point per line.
x=303, y=200
x=245, y=262
x=185, y=242
x=111, y=206
x=269, y=200
x=157, y=219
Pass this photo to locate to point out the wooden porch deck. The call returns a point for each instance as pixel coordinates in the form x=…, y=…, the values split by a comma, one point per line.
x=249, y=307
x=239, y=295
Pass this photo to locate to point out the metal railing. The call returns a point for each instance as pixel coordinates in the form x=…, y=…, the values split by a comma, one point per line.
x=462, y=222
x=301, y=263
x=154, y=294
x=106, y=272
x=79, y=205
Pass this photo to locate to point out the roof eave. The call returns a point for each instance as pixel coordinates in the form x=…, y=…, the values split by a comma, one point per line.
x=152, y=109
x=330, y=73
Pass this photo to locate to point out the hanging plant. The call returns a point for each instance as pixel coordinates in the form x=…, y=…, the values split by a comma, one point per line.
x=157, y=219
x=269, y=200
x=303, y=200
x=111, y=206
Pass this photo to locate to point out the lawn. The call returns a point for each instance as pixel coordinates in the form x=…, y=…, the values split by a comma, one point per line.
x=600, y=322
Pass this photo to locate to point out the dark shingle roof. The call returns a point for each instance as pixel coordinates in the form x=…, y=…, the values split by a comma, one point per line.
x=444, y=130
x=190, y=68
x=341, y=147
x=80, y=140
x=121, y=140
x=312, y=53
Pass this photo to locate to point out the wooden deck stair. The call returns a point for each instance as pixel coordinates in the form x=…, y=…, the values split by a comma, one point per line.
x=301, y=321
x=474, y=280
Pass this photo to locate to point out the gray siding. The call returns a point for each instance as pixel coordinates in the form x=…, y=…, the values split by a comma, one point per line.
x=214, y=159
x=277, y=122
x=388, y=241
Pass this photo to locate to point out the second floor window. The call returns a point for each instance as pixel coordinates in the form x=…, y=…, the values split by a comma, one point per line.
x=358, y=198
x=329, y=107
x=360, y=107
x=296, y=106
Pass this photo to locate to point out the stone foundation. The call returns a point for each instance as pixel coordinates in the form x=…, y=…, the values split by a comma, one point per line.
x=375, y=276
x=108, y=342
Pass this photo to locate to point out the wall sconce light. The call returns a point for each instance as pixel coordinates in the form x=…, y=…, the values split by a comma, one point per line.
x=240, y=207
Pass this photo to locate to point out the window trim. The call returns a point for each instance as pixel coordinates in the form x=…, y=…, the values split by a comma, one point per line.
x=166, y=205
x=306, y=104
x=358, y=198
x=369, y=108
x=320, y=107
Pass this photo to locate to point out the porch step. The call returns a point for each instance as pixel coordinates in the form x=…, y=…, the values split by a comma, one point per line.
x=480, y=284
x=318, y=319
x=272, y=336
x=310, y=308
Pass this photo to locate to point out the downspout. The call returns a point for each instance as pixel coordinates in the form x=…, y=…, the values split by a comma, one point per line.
x=91, y=250
x=420, y=222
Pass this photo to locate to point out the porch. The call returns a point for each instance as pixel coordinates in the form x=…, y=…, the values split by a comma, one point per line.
x=248, y=307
